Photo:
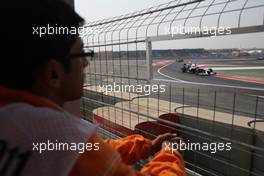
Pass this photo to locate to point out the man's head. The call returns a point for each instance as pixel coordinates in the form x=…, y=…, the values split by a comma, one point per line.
x=40, y=64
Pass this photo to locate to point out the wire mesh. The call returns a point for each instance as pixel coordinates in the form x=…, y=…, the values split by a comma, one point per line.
x=117, y=96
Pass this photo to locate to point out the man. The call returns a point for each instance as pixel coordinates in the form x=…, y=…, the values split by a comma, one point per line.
x=37, y=75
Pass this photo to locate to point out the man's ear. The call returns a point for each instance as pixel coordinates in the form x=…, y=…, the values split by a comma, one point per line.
x=54, y=74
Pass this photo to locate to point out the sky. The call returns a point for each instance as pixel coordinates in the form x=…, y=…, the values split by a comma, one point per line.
x=93, y=10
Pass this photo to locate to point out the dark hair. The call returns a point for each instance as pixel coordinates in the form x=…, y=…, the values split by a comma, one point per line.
x=24, y=53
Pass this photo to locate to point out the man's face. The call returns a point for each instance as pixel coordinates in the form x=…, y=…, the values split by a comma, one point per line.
x=74, y=79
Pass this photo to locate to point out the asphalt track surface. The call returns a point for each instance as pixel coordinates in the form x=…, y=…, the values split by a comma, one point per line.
x=173, y=71
x=244, y=104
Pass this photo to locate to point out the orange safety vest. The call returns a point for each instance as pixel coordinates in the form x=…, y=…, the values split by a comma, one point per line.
x=27, y=120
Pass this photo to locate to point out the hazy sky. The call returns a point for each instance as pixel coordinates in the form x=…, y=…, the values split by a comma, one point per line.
x=100, y=9
x=93, y=10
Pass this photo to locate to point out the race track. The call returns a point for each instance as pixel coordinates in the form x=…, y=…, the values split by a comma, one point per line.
x=173, y=71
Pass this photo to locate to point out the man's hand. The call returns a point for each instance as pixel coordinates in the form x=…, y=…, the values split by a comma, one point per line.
x=157, y=143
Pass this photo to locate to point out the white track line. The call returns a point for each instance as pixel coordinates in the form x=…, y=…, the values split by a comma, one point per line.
x=159, y=71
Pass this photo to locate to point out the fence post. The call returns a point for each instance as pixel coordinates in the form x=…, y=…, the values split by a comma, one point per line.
x=149, y=60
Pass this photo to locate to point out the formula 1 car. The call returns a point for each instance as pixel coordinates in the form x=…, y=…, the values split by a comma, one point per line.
x=194, y=69
x=204, y=71
x=189, y=68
